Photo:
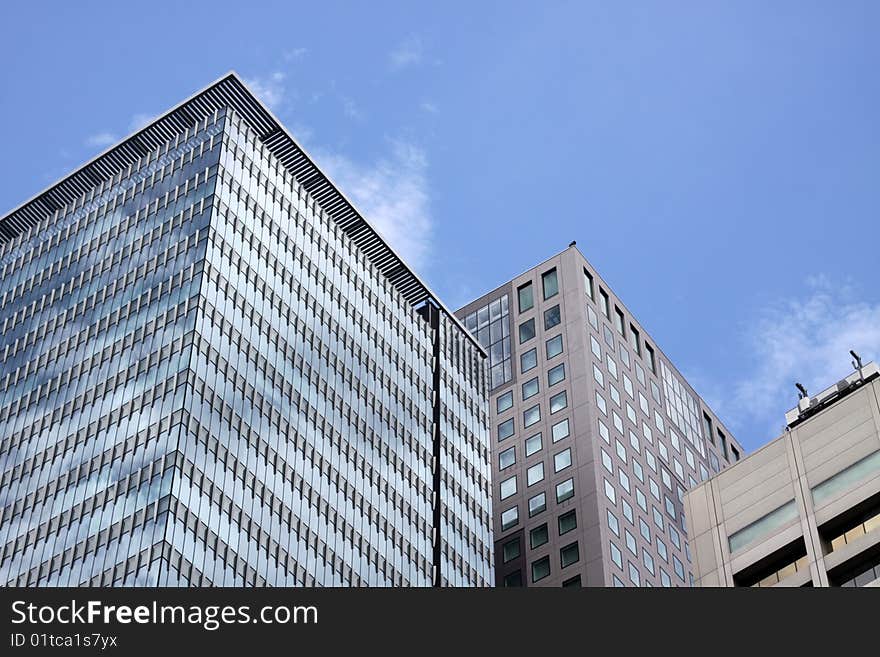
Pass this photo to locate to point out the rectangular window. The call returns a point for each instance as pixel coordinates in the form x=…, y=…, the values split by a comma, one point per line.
x=707, y=428
x=508, y=487
x=556, y=374
x=603, y=303
x=551, y=284
x=618, y=321
x=567, y=522
x=633, y=574
x=564, y=490
x=530, y=388
x=560, y=430
x=507, y=458
x=552, y=317
x=540, y=569
x=539, y=536
x=535, y=474
x=613, y=524
x=634, y=340
x=509, y=518
x=533, y=444
x=562, y=460
x=558, y=402
x=569, y=554
x=592, y=318
x=526, y=297
x=554, y=346
x=527, y=330
x=588, y=283
x=528, y=360
x=511, y=550
x=723, y=442
x=651, y=361
x=504, y=401
x=574, y=582
x=735, y=453
x=531, y=416
x=514, y=579
x=537, y=504
x=616, y=556
x=609, y=492
x=505, y=430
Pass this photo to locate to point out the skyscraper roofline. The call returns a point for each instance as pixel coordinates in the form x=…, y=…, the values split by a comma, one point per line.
x=231, y=91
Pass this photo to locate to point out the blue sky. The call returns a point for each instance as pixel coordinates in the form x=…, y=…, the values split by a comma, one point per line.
x=717, y=162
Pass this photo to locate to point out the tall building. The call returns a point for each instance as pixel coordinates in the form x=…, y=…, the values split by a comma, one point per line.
x=595, y=435
x=804, y=510
x=214, y=371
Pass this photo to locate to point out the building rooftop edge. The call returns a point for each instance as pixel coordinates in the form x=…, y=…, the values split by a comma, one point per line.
x=231, y=91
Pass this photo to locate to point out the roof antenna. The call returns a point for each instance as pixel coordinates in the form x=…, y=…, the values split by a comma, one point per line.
x=857, y=363
x=802, y=392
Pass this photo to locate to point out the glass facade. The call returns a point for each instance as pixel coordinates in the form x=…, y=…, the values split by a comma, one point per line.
x=205, y=381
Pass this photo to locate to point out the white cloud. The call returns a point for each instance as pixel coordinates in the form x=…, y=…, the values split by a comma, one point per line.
x=295, y=53
x=429, y=107
x=351, y=109
x=139, y=121
x=101, y=139
x=270, y=89
x=392, y=194
x=408, y=53
x=805, y=340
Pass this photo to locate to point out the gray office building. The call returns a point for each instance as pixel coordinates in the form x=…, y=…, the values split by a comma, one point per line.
x=595, y=435
x=804, y=510
x=214, y=371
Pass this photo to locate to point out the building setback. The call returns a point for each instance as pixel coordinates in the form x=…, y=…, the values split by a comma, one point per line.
x=595, y=435
x=213, y=371
x=804, y=510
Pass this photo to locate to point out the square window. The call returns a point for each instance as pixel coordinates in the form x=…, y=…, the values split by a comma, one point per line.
x=540, y=569
x=537, y=504
x=613, y=524
x=558, y=402
x=528, y=360
x=567, y=522
x=572, y=582
x=533, y=444
x=514, y=579
x=503, y=402
x=616, y=556
x=633, y=574
x=530, y=388
x=554, y=346
x=526, y=297
x=527, y=331
x=531, y=416
x=560, y=430
x=535, y=474
x=508, y=487
x=564, y=490
x=509, y=518
x=539, y=536
x=507, y=458
x=562, y=460
x=569, y=554
x=609, y=492
x=556, y=374
x=550, y=282
x=505, y=429
x=511, y=550
x=552, y=317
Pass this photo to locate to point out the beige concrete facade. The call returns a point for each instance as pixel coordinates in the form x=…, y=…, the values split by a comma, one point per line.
x=805, y=509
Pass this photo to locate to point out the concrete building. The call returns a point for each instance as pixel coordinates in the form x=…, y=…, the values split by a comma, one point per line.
x=595, y=435
x=803, y=510
x=214, y=371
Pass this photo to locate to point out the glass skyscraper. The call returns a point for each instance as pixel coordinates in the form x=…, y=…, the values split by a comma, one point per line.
x=213, y=371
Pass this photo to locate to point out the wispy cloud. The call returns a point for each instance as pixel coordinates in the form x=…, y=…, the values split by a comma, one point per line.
x=269, y=88
x=351, y=109
x=393, y=195
x=806, y=340
x=429, y=107
x=100, y=139
x=139, y=121
x=408, y=53
x=294, y=54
